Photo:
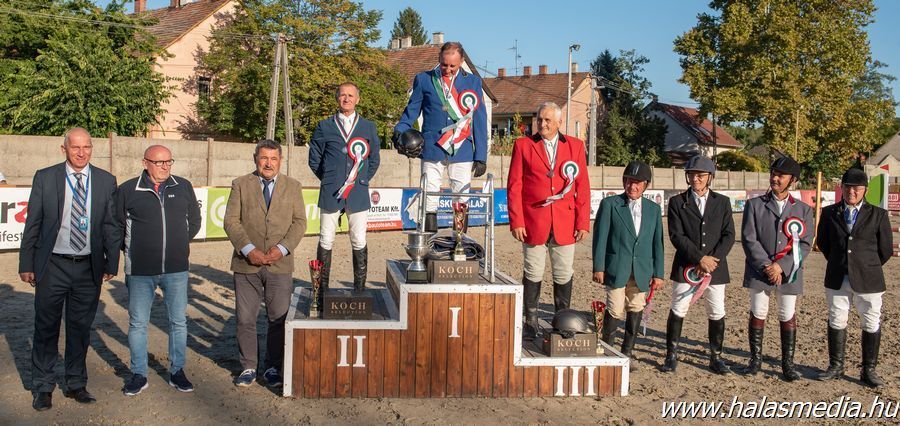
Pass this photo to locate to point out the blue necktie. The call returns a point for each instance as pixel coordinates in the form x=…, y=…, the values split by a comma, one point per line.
x=78, y=233
x=850, y=217
x=267, y=191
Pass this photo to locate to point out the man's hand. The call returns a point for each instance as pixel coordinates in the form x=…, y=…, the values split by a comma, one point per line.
x=580, y=234
x=257, y=257
x=478, y=168
x=708, y=264
x=657, y=283
x=27, y=277
x=273, y=255
x=598, y=277
x=519, y=234
x=773, y=272
x=395, y=139
x=107, y=277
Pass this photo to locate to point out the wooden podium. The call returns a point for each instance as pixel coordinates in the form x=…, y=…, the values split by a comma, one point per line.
x=436, y=341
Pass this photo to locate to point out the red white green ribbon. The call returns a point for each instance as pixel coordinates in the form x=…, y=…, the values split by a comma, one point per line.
x=358, y=150
x=569, y=172
x=700, y=283
x=461, y=107
x=794, y=228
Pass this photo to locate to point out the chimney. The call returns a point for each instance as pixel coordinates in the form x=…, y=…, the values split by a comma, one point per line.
x=140, y=6
x=395, y=43
x=526, y=70
x=501, y=72
x=574, y=66
x=406, y=42
x=542, y=69
x=437, y=38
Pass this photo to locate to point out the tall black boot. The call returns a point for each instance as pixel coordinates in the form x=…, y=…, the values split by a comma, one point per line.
x=837, y=344
x=610, y=324
x=755, y=329
x=870, y=345
x=716, y=330
x=532, y=296
x=325, y=257
x=673, y=334
x=360, y=269
x=788, y=339
x=632, y=323
x=562, y=295
x=431, y=222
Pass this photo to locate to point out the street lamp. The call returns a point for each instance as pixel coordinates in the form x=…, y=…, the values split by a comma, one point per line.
x=572, y=48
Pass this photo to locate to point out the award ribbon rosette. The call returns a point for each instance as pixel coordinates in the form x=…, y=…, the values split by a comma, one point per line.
x=460, y=107
x=700, y=283
x=358, y=150
x=793, y=229
x=569, y=172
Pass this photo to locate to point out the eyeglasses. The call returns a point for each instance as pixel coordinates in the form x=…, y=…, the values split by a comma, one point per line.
x=161, y=162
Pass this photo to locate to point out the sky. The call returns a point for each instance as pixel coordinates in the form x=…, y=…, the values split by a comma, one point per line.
x=544, y=30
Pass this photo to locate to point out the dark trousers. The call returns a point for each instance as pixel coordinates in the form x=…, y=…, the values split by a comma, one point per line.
x=69, y=285
x=250, y=290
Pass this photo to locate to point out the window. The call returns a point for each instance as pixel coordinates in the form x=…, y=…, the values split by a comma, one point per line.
x=203, y=87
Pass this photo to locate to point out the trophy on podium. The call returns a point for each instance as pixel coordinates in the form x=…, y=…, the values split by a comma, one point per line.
x=460, y=211
x=597, y=309
x=315, y=275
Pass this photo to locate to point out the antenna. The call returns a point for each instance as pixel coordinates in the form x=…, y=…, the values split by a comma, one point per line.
x=515, y=50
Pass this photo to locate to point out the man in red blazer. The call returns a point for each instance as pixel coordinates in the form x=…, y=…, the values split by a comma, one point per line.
x=549, y=208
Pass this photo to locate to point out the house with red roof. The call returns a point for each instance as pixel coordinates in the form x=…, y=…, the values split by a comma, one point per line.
x=688, y=134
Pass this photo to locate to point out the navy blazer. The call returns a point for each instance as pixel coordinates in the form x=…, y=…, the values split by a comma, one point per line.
x=860, y=253
x=425, y=100
x=45, y=207
x=330, y=163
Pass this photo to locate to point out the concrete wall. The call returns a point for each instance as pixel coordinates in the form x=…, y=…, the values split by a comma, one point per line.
x=210, y=163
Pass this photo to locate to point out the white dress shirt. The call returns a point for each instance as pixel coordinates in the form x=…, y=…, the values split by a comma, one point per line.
x=61, y=246
x=550, y=146
x=347, y=121
x=635, y=207
x=701, y=201
x=780, y=204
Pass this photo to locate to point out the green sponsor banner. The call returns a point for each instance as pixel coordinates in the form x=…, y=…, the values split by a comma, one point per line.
x=313, y=220
x=216, y=201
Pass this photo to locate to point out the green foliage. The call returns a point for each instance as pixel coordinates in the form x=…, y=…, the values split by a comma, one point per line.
x=62, y=73
x=802, y=70
x=328, y=46
x=887, y=132
x=627, y=131
x=409, y=23
x=738, y=161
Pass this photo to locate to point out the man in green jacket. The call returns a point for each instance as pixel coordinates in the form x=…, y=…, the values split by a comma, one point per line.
x=628, y=253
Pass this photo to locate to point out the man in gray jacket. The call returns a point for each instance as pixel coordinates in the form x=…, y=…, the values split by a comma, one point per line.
x=777, y=236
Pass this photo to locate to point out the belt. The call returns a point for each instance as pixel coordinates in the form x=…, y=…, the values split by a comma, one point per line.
x=73, y=257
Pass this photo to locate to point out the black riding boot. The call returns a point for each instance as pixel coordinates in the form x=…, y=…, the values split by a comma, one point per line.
x=788, y=340
x=532, y=296
x=562, y=295
x=755, y=329
x=431, y=222
x=716, y=329
x=837, y=344
x=325, y=257
x=632, y=323
x=360, y=269
x=610, y=324
x=870, y=346
x=673, y=334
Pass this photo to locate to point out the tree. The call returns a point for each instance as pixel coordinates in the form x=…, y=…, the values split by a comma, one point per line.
x=328, y=46
x=802, y=70
x=77, y=65
x=627, y=130
x=738, y=161
x=409, y=24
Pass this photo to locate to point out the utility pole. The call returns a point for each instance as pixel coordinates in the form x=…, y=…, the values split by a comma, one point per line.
x=592, y=125
x=288, y=110
x=569, y=86
x=273, y=92
x=516, y=56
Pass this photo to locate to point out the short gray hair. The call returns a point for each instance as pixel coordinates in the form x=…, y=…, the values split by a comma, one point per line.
x=266, y=144
x=550, y=105
x=337, y=92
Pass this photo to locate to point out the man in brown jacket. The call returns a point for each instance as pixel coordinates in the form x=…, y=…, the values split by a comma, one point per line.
x=265, y=220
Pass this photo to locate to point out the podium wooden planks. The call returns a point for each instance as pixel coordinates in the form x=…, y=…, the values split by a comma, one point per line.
x=436, y=341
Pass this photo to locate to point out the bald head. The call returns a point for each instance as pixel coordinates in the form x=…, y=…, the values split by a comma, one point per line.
x=155, y=150
x=158, y=163
x=77, y=148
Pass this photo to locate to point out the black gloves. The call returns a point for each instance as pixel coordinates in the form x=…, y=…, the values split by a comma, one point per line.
x=478, y=168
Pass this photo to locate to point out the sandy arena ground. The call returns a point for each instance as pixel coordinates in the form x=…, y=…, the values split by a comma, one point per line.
x=212, y=355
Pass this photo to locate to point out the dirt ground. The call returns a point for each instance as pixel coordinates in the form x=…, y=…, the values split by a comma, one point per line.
x=212, y=355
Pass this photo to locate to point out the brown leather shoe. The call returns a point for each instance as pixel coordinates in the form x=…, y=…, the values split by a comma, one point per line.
x=81, y=395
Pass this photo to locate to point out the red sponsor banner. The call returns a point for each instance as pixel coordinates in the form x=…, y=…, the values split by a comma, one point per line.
x=894, y=201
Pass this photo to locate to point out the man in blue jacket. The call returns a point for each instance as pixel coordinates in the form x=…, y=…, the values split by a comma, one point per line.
x=454, y=125
x=343, y=154
x=156, y=214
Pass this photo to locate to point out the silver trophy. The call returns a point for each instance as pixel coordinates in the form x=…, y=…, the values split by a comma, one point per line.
x=417, y=248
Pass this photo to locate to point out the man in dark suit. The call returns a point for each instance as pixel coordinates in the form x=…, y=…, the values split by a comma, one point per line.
x=702, y=230
x=776, y=235
x=66, y=255
x=343, y=154
x=628, y=254
x=856, y=239
x=454, y=125
x=265, y=219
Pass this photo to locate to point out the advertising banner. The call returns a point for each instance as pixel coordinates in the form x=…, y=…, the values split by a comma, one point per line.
x=385, y=211
x=201, y=193
x=13, y=209
x=216, y=200
x=738, y=199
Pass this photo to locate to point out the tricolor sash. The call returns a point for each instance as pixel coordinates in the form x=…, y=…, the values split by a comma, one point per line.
x=358, y=150
x=569, y=172
x=460, y=107
x=793, y=229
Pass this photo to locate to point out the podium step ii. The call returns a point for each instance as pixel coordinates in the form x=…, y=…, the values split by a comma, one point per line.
x=436, y=341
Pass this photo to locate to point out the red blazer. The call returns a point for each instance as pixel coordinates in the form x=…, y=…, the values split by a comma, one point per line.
x=528, y=186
